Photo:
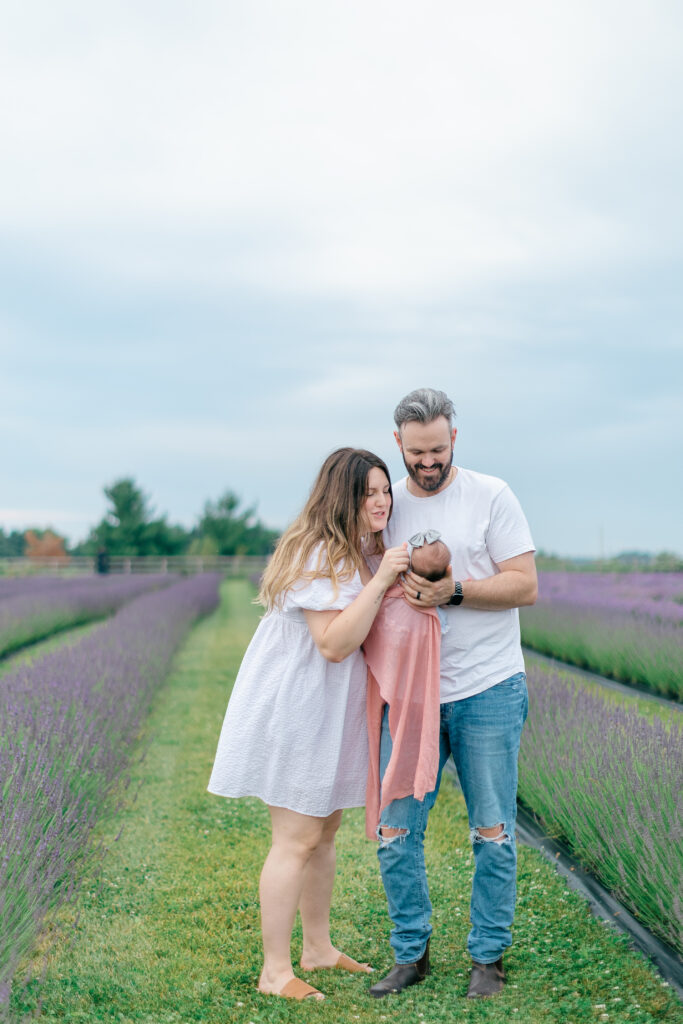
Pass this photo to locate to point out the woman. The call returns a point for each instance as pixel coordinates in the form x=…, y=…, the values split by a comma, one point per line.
x=294, y=732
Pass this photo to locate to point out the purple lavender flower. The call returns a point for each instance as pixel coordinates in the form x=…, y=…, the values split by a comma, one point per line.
x=44, y=605
x=609, y=780
x=628, y=627
x=67, y=723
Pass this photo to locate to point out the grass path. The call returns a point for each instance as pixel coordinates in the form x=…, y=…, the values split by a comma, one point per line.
x=170, y=934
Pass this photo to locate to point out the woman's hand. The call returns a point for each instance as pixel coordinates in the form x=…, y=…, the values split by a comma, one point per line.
x=394, y=562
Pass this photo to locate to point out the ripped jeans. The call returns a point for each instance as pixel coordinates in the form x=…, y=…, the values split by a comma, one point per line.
x=483, y=733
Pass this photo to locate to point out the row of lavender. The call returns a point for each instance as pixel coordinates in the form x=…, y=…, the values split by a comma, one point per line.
x=648, y=595
x=628, y=627
x=609, y=780
x=33, y=608
x=68, y=721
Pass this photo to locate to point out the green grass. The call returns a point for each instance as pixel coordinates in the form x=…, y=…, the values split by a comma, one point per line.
x=169, y=934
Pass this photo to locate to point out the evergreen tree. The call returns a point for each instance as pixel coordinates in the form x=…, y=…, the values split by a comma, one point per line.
x=12, y=545
x=228, y=530
x=129, y=528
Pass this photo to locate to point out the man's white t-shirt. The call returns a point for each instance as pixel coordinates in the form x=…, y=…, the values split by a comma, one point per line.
x=482, y=523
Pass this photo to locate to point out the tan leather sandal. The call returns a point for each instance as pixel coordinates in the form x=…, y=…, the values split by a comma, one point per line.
x=298, y=989
x=347, y=963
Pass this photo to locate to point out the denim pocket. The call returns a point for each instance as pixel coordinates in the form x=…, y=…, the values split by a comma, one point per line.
x=514, y=682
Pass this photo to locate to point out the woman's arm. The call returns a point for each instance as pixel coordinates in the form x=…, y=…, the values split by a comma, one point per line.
x=339, y=633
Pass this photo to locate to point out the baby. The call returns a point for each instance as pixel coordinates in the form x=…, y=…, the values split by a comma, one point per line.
x=402, y=654
x=429, y=557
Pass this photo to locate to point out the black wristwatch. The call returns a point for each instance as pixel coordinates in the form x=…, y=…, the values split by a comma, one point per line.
x=457, y=594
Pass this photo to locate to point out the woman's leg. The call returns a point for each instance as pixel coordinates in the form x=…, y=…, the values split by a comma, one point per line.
x=295, y=839
x=316, y=897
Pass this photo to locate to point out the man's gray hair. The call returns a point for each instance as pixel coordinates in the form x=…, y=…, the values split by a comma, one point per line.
x=424, y=405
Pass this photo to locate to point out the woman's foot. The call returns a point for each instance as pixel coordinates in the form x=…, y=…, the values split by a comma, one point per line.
x=271, y=983
x=288, y=986
x=320, y=960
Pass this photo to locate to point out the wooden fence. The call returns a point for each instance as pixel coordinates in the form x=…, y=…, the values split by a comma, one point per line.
x=79, y=565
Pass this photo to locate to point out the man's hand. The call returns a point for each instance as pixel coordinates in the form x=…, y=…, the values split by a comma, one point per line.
x=514, y=585
x=430, y=593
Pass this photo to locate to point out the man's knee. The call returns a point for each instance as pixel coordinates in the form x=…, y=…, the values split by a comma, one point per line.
x=490, y=834
x=388, y=835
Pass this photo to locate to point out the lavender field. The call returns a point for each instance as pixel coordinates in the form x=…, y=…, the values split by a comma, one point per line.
x=33, y=608
x=650, y=595
x=593, y=769
x=16, y=586
x=68, y=721
x=625, y=626
x=609, y=781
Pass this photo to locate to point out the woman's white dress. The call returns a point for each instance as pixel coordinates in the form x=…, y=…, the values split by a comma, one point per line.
x=295, y=730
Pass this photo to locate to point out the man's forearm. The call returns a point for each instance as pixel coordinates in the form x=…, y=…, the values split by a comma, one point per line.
x=509, y=589
x=514, y=585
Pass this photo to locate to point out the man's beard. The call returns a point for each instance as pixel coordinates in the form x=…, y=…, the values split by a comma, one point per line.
x=430, y=483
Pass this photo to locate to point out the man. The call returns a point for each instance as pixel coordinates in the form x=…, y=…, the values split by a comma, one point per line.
x=482, y=690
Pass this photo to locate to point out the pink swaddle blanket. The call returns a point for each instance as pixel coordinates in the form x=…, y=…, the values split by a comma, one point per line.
x=402, y=654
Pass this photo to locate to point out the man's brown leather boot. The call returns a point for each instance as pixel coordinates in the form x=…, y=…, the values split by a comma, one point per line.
x=486, y=979
x=401, y=976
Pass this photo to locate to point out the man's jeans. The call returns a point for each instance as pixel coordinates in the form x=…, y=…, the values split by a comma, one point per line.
x=483, y=733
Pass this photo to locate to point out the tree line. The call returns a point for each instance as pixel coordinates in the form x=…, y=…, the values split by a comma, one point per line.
x=129, y=527
x=627, y=561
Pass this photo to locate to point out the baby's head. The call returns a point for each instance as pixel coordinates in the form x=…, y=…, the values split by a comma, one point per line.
x=431, y=558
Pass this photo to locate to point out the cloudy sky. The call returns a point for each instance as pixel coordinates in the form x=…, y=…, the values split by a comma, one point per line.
x=234, y=234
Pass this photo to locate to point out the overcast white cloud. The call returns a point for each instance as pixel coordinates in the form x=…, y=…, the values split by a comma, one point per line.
x=235, y=234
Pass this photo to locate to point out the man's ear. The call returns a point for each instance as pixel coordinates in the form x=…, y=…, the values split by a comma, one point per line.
x=397, y=435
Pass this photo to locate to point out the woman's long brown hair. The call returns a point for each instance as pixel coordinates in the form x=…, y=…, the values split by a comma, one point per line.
x=330, y=520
